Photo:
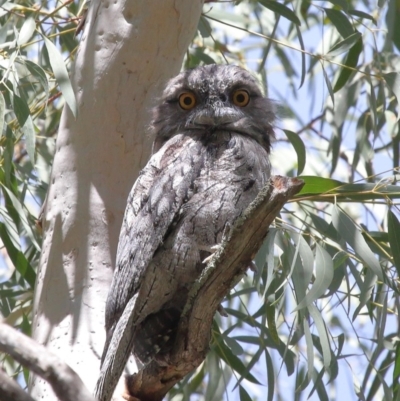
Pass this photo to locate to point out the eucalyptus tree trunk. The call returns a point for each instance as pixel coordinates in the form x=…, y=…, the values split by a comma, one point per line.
x=128, y=50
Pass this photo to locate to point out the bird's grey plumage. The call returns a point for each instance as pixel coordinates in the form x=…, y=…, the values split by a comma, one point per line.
x=211, y=159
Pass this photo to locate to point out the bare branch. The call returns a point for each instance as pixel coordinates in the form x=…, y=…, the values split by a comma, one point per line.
x=65, y=382
x=222, y=272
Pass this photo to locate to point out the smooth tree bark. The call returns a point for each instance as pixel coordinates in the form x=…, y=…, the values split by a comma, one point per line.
x=65, y=382
x=129, y=48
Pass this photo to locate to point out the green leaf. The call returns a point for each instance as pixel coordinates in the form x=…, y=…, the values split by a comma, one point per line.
x=392, y=80
x=340, y=21
x=318, y=185
x=323, y=277
x=2, y=113
x=61, y=74
x=299, y=147
x=233, y=361
x=281, y=9
x=26, y=31
x=362, y=14
x=270, y=310
x=204, y=27
x=351, y=234
x=38, y=73
x=17, y=257
x=310, y=349
x=303, y=56
x=11, y=228
x=345, y=44
x=396, y=372
x=243, y=394
x=394, y=239
x=21, y=213
x=328, y=84
x=351, y=61
x=21, y=110
x=323, y=335
x=233, y=345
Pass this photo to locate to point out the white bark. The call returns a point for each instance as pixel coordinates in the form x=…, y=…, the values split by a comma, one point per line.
x=128, y=50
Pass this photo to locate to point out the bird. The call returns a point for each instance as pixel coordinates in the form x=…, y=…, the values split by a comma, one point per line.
x=212, y=128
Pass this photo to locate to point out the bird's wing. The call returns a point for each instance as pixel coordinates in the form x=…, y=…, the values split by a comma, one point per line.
x=163, y=185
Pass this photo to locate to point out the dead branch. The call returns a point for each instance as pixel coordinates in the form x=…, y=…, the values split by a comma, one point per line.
x=223, y=271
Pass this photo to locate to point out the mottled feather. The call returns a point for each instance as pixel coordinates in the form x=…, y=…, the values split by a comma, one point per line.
x=210, y=162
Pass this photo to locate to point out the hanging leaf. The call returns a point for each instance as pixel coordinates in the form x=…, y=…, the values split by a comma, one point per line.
x=299, y=147
x=61, y=74
x=281, y=9
x=351, y=61
x=394, y=239
x=2, y=113
x=351, y=234
x=392, y=80
x=328, y=84
x=29, y=134
x=323, y=335
x=345, y=45
x=39, y=74
x=323, y=277
x=26, y=31
x=21, y=110
x=340, y=21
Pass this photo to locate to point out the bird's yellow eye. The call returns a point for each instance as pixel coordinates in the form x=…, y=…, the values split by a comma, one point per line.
x=241, y=98
x=187, y=101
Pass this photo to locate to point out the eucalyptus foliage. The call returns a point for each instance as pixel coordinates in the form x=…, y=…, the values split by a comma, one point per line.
x=319, y=318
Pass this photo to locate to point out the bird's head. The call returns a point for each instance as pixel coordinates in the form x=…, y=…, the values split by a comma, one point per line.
x=214, y=98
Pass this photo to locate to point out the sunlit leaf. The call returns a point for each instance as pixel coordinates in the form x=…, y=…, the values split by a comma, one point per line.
x=18, y=258
x=351, y=234
x=318, y=185
x=323, y=335
x=61, y=74
x=21, y=213
x=323, y=277
x=26, y=31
